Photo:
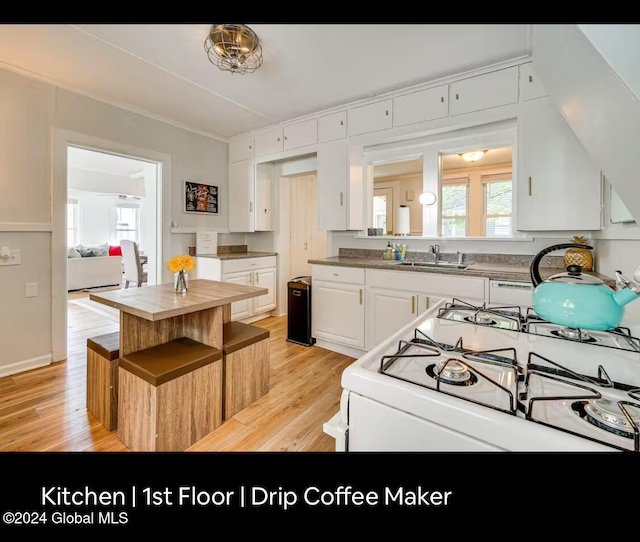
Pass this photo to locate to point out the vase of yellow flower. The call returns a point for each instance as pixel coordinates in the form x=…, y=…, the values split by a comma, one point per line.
x=180, y=265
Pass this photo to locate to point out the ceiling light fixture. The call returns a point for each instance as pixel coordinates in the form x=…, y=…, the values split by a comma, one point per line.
x=234, y=48
x=472, y=156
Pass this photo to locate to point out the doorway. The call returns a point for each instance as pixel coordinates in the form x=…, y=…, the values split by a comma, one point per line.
x=61, y=141
x=112, y=197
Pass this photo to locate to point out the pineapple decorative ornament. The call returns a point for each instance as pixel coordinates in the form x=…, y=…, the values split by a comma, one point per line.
x=579, y=256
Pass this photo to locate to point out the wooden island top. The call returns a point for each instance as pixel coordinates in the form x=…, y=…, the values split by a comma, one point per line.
x=158, y=302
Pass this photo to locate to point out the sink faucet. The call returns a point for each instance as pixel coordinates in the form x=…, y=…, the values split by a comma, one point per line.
x=435, y=250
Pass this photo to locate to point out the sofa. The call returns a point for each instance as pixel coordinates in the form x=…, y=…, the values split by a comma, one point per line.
x=88, y=267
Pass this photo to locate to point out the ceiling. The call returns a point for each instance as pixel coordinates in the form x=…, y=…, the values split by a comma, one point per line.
x=162, y=69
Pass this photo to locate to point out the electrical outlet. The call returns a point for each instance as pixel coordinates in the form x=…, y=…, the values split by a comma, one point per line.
x=12, y=258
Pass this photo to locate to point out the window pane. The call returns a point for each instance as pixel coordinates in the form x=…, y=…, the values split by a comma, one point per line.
x=498, y=226
x=454, y=227
x=498, y=198
x=454, y=200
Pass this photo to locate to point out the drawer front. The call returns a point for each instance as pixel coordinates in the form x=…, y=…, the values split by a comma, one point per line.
x=335, y=273
x=247, y=264
x=332, y=127
x=428, y=283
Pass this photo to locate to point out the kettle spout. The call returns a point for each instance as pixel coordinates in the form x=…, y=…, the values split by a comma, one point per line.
x=626, y=295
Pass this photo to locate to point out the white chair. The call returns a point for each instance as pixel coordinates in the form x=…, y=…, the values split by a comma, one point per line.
x=133, y=271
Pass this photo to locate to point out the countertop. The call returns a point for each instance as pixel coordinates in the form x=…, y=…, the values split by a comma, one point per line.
x=237, y=255
x=157, y=302
x=488, y=270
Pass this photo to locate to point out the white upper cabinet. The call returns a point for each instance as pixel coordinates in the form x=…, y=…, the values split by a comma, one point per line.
x=241, y=149
x=263, y=196
x=241, y=196
x=340, y=186
x=530, y=85
x=421, y=106
x=332, y=127
x=301, y=134
x=370, y=118
x=484, y=91
x=269, y=142
x=559, y=186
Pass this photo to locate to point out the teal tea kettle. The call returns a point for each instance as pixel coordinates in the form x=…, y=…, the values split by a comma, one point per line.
x=579, y=300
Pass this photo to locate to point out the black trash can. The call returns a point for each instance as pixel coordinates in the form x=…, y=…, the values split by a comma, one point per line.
x=299, y=311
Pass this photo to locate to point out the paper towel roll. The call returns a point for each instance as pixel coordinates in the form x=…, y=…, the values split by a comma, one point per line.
x=403, y=221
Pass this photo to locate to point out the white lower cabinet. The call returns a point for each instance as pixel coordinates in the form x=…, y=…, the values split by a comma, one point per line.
x=360, y=308
x=258, y=271
x=338, y=306
x=265, y=278
x=390, y=310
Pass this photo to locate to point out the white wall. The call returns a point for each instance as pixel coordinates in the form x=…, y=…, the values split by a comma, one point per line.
x=29, y=110
x=95, y=219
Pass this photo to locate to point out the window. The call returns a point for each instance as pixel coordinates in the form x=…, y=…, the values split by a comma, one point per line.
x=498, y=205
x=127, y=222
x=72, y=222
x=454, y=207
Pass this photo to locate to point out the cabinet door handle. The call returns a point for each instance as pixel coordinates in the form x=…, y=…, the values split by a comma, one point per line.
x=442, y=99
x=257, y=278
x=250, y=278
x=360, y=296
x=426, y=303
x=413, y=304
x=305, y=245
x=529, y=185
x=341, y=199
x=285, y=138
x=457, y=97
x=278, y=139
x=386, y=112
x=341, y=123
x=530, y=79
x=250, y=207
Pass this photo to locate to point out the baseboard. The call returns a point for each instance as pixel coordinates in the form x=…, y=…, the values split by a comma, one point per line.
x=341, y=348
x=25, y=365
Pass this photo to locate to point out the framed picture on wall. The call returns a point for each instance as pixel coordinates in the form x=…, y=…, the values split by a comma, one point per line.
x=201, y=198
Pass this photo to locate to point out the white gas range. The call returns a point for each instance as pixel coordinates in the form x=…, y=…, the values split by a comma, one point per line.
x=468, y=378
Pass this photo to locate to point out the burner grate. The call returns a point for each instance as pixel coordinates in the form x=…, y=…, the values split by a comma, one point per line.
x=481, y=315
x=585, y=395
x=504, y=358
x=619, y=338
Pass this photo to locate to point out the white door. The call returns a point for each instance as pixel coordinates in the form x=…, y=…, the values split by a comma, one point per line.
x=240, y=309
x=563, y=191
x=387, y=312
x=383, y=209
x=338, y=313
x=265, y=278
x=307, y=242
x=241, y=196
x=332, y=185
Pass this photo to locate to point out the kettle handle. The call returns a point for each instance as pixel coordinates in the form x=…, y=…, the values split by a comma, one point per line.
x=534, y=270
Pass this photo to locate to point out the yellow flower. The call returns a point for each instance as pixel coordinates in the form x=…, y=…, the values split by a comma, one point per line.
x=181, y=262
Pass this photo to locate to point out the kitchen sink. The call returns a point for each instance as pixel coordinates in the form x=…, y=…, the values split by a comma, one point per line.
x=434, y=265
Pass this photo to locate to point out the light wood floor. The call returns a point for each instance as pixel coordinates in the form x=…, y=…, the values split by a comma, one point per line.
x=45, y=409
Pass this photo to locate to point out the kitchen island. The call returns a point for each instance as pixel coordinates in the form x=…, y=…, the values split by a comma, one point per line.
x=170, y=375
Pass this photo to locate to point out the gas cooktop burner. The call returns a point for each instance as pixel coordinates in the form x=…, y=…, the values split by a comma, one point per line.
x=574, y=334
x=608, y=415
x=481, y=319
x=500, y=317
x=452, y=371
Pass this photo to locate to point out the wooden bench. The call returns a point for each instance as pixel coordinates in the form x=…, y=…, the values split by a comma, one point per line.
x=170, y=395
x=103, y=352
x=245, y=352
